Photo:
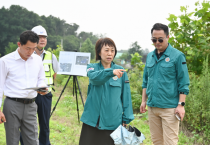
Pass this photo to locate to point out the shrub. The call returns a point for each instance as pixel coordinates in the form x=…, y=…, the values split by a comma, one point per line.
x=135, y=78
x=197, y=117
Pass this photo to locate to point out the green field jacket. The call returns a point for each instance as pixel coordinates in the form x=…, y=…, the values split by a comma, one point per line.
x=108, y=97
x=165, y=78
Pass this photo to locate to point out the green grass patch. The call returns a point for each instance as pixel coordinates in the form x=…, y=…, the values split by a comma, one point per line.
x=65, y=128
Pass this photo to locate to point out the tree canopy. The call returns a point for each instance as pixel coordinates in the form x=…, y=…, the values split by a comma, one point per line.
x=17, y=19
x=191, y=34
x=134, y=48
x=87, y=46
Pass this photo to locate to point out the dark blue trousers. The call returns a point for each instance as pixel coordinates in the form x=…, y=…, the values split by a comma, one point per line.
x=44, y=103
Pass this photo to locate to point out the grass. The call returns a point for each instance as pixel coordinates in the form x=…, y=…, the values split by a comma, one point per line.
x=65, y=128
x=2, y=135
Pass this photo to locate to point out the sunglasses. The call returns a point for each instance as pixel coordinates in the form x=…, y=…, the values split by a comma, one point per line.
x=159, y=40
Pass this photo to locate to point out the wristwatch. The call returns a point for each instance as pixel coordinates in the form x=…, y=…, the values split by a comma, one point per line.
x=181, y=103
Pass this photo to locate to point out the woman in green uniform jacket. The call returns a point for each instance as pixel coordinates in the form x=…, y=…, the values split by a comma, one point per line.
x=108, y=101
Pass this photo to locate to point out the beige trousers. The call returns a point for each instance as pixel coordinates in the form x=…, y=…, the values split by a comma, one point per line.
x=164, y=126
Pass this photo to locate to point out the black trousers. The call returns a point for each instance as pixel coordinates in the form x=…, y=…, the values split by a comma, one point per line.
x=44, y=103
x=93, y=136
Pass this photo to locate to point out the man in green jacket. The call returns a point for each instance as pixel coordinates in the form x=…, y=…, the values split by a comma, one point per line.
x=165, y=84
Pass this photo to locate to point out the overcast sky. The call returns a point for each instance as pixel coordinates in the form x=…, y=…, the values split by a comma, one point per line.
x=125, y=21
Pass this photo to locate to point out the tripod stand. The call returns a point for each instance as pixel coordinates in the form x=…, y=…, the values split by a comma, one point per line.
x=75, y=84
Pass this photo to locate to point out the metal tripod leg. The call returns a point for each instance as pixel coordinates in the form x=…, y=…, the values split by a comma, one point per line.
x=75, y=84
x=60, y=96
x=80, y=91
x=75, y=88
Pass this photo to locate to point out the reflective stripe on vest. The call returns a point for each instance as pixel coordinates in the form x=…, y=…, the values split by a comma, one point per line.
x=49, y=72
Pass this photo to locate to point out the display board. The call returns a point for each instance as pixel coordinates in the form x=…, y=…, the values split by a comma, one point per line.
x=73, y=63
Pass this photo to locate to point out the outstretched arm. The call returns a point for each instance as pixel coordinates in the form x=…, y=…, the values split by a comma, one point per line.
x=99, y=77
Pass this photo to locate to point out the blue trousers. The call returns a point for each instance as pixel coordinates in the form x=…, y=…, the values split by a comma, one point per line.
x=44, y=103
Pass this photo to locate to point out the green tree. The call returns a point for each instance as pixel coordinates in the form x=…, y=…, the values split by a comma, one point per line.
x=87, y=46
x=190, y=33
x=84, y=35
x=71, y=29
x=56, y=51
x=135, y=77
x=134, y=48
x=11, y=47
x=16, y=19
x=53, y=41
x=71, y=43
x=136, y=61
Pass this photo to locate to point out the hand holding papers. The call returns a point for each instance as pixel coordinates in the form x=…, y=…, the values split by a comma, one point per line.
x=40, y=90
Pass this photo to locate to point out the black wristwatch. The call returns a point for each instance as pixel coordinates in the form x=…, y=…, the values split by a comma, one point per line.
x=181, y=103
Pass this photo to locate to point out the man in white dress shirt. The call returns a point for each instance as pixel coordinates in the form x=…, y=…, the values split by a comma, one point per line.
x=18, y=70
x=44, y=102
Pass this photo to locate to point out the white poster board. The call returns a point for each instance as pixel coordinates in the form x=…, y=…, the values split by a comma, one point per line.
x=73, y=63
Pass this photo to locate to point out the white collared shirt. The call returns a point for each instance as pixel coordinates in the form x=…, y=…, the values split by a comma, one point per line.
x=17, y=74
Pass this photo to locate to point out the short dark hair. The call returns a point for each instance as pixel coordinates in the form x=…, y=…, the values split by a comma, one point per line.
x=100, y=43
x=159, y=26
x=28, y=36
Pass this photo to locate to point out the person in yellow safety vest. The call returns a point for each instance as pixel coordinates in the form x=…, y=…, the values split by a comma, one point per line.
x=44, y=102
x=48, y=65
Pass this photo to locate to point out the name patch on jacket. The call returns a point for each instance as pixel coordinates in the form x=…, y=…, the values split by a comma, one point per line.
x=127, y=81
x=91, y=68
x=183, y=62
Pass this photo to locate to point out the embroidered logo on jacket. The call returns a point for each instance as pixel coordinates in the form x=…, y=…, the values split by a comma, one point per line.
x=167, y=59
x=91, y=68
x=115, y=78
